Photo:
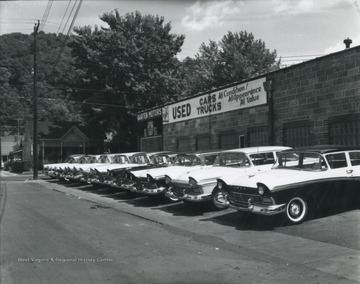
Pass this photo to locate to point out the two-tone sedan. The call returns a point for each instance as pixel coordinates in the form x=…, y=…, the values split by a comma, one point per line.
x=54, y=170
x=153, y=182
x=301, y=181
x=123, y=178
x=99, y=173
x=73, y=172
x=200, y=186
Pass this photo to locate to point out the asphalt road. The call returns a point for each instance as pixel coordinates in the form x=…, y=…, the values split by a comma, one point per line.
x=55, y=232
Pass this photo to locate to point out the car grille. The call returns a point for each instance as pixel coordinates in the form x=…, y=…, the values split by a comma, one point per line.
x=144, y=183
x=180, y=189
x=242, y=199
x=149, y=185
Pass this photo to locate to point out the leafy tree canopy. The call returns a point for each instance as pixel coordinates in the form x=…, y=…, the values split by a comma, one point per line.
x=16, y=78
x=129, y=66
x=237, y=57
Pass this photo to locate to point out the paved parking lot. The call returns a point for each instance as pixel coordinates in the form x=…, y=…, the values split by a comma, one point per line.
x=331, y=239
x=328, y=244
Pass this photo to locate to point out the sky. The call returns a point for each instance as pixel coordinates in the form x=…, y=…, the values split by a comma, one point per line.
x=298, y=30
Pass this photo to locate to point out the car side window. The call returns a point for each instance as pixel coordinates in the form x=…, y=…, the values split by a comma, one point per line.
x=233, y=160
x=209, y=160
x=262, y=159
x=354, y=158
x=337, y=161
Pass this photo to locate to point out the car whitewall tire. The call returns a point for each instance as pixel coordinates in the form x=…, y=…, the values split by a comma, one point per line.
x=296, y=210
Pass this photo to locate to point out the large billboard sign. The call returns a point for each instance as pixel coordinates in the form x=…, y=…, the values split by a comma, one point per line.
x=240, y=96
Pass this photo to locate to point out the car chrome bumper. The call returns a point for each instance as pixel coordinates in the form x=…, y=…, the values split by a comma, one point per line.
x=153, y=191
x=195, y=198
x=260, y=209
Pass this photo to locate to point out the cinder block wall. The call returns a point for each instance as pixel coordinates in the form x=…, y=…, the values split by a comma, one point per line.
x=315, y=91
x=235, y=121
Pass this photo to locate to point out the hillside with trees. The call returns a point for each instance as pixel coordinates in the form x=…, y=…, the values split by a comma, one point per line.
x=104, y=76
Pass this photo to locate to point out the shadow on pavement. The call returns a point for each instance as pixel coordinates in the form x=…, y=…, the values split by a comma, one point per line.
x=188, y=209
x=247, y=221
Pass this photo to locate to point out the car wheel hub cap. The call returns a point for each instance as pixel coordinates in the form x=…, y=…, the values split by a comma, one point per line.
x=295, y=209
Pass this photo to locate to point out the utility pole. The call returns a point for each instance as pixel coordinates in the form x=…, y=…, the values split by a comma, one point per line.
x=35, y=136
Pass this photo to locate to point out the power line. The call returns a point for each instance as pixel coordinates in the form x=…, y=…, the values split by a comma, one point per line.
x=95, y=103
x=46, y=14
x=309, y=55
x=67, y=21
x=68, y=33
x=67, y=7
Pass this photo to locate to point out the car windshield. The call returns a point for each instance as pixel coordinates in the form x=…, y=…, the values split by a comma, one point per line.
x=187, y=160
x=232, y=159
x=140, y=159
x=120, y=159
x=92, y=160
x=161, y=159
x=104, y=159
x=301, y=161
x=68, y=159
x=83, y=160
x=208, y=159
x=74, y=160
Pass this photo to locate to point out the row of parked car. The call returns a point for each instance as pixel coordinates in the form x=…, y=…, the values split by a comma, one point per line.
x=265, y=180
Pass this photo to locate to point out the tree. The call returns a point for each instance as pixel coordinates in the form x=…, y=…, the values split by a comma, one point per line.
x=10, y=107
x=237, y=57
x=129, y=66
x=16, y=61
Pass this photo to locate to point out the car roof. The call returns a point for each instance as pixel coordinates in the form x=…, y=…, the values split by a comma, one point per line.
x=197, y=153
x=121, y=154
x=324, y=149
x=258, y=149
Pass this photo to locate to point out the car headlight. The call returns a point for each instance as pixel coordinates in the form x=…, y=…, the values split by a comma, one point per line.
x=192, y=182
x=149, y=178
x=261, y=189
x=167, y=179
x=220, y=184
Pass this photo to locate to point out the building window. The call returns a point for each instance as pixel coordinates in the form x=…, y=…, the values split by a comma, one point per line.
x=203, y=142
x=344, y=132
x=229, y=141
x=183, y=144
x=297, y=136
x=151, y=144
x=258, y=138
x=258, y=135
x=297, y=133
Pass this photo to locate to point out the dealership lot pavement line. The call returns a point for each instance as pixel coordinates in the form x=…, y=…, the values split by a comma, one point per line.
x=306, y=267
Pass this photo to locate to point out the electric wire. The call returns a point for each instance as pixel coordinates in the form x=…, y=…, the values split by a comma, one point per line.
x=68, y=33
x=46, y=15
x=62, y=20
x=67, y=21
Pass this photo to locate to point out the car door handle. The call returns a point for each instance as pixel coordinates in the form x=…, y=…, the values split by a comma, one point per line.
x=349, y=171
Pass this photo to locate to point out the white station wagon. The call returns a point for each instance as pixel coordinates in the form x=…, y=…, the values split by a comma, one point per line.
x=200, y=186
x=301, y=181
